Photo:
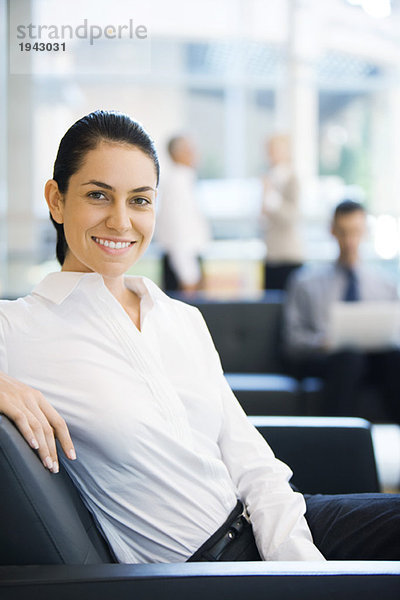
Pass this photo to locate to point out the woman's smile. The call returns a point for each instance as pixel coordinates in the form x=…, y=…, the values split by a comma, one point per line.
x=113, y=245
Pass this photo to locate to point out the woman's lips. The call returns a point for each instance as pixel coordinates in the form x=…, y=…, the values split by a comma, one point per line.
x=113, y=246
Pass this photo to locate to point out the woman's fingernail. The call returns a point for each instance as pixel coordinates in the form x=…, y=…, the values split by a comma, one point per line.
x=55, y=468
x=34, y=444
x=48, y=462
x=72, y=454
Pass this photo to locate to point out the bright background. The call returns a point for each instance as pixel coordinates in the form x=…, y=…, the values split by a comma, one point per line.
x=230, y=73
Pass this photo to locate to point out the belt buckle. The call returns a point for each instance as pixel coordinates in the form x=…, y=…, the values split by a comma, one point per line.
x=235, y=531
x=245, y=514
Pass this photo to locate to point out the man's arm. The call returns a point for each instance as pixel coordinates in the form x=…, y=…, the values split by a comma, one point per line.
x=281, y=203
x=301, y=332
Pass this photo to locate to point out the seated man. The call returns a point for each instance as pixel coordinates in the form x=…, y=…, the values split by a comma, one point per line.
x=311, y=294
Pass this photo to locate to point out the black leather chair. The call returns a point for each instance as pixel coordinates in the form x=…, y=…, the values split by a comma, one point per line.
x=247, y=333
x=328, y=455
x=43, y=519
x=50, y=548
x=247, y=337
x=197, y=581
x=266, y=393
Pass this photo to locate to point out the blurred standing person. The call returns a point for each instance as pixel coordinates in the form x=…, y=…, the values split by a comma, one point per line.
x=281, y=215
x=182, y=230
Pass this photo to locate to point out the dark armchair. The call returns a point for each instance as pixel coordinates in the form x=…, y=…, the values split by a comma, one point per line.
x=50, y=548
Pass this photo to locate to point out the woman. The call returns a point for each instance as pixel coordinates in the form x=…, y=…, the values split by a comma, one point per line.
x=163, y=449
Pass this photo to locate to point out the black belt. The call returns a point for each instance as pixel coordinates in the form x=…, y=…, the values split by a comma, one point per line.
x=234, y=540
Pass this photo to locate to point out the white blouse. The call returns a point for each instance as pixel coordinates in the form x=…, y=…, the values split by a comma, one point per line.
x=164, y=448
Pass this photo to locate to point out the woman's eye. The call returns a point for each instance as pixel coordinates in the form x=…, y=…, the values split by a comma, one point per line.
x=140, y=201
x=96, y=195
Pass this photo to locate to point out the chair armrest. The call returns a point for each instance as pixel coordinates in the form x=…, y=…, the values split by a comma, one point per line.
x=258, y=580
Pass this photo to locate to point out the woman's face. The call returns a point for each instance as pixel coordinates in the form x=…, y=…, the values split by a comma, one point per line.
x=108, y=211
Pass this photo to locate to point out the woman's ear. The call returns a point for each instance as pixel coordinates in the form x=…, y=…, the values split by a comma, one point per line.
x=54, y=200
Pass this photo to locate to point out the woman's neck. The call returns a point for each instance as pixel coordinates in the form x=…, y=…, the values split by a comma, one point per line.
x=116, y=286
x=129, y=301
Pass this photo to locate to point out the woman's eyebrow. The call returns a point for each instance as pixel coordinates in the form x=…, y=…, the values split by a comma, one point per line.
x=145, y=188
x=99, y=184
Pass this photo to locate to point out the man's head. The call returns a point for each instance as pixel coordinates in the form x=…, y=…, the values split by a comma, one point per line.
x=349, y=227
x=182, y=151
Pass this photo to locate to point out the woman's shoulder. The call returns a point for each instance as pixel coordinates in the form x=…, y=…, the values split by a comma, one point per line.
x=13, y=306
x=18, y=313
x=22, y=313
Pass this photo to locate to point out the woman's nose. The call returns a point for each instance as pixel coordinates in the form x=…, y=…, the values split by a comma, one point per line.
x=118, y=218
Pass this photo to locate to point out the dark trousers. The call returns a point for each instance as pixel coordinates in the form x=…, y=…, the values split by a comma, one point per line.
x=355, y=526
x=276, y=275
x=344, y=374
x=343, y=526
x=169, y=279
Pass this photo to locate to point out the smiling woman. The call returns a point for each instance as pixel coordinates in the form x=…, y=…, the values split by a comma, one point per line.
x=107, y=211
x=102, y=199
x=130, y=383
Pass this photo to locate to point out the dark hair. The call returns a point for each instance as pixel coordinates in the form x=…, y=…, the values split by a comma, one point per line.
x=347, y=207
x=85, y=135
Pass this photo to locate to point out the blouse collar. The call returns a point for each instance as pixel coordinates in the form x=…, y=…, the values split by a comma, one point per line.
x=58, y=286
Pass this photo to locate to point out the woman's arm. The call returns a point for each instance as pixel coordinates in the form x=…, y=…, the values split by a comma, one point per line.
x=276, y=511
x=37, y=420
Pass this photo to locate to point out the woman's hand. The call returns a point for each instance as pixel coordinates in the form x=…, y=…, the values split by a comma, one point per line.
x=37, y=420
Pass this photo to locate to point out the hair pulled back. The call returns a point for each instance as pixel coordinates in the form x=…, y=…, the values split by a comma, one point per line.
x=85, y=135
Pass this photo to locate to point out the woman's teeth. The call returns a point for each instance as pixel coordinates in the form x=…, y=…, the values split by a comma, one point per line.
x=111, y=244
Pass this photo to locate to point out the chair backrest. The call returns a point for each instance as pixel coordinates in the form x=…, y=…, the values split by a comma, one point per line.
x=246, y=334
x=328, y=455
x=43, y=519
